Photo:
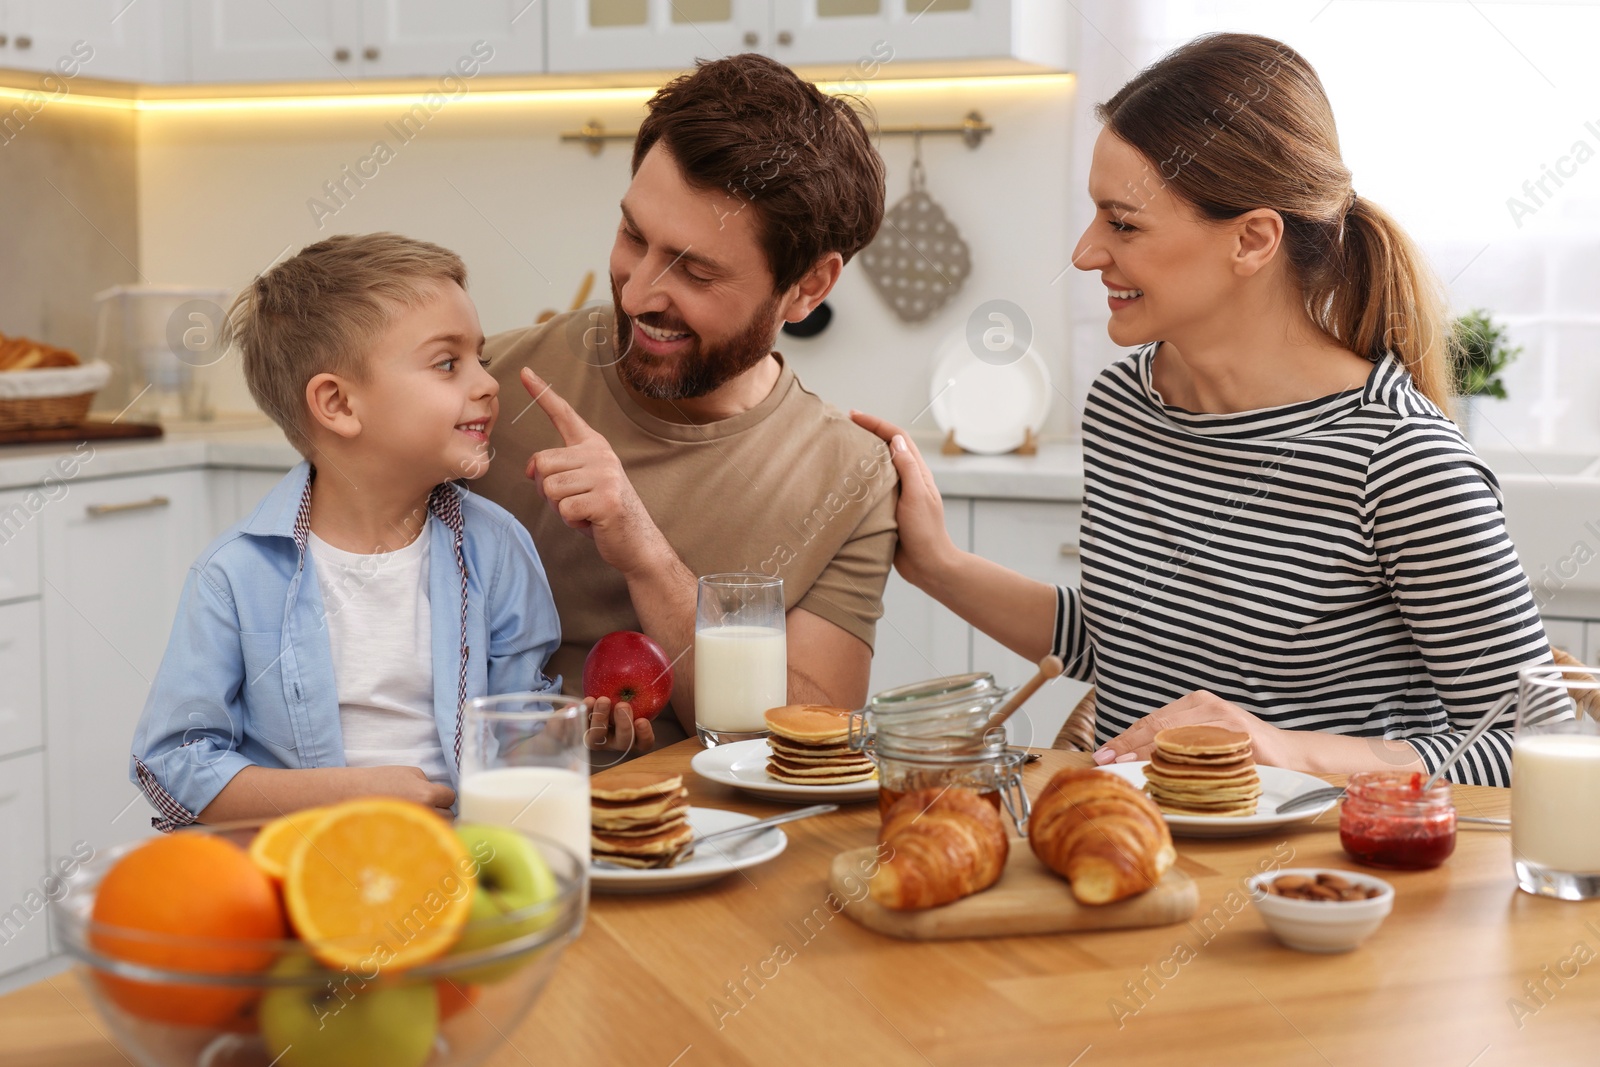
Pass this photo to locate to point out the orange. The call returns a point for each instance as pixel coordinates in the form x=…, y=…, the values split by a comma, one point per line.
x=276, y=841
x=379, y=883
x=189, y=886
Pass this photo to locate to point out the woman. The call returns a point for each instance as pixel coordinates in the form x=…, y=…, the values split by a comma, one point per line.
x=1283, y=532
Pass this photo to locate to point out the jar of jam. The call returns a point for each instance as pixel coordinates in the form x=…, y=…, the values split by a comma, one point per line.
x=1388, y=821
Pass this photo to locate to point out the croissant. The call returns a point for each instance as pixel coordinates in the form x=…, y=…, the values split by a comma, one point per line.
x=947, y=844
x=1100, y=833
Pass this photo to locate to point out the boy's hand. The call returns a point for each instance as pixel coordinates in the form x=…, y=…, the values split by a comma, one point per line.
x=407, y=783
x=585, y=483
x=614, y=729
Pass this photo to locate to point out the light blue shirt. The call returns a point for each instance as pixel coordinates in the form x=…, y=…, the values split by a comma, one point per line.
x=247, y=678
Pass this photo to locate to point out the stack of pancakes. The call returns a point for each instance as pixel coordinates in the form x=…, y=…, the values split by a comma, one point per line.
x=1203, y=770
x=637, y=818
x=811, y=746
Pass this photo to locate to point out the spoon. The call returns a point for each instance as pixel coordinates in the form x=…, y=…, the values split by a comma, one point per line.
x=1466, y=742
x=751, y=828
x=1317, y=796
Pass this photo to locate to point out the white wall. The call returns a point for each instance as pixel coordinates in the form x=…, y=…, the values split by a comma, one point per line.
x=1444, y=111
x=221, y=195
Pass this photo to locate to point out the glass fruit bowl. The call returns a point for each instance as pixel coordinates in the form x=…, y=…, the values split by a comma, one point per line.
x=258, y=1003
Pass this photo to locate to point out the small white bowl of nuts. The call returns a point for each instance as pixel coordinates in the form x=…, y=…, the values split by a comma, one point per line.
x=1319, y=909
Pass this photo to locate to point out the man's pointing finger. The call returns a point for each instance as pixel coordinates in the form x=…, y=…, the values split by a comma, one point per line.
x=568, y=423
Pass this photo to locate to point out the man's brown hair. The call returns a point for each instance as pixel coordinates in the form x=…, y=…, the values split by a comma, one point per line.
x=801, y=159
x=320, y=310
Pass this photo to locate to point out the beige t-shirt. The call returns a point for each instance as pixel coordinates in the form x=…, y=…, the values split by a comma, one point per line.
x=790, y=488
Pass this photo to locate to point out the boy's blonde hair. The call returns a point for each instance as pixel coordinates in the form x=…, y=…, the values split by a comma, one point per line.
x=320, y=310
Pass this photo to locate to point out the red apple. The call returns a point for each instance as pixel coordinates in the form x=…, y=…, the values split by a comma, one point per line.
x=629, y=667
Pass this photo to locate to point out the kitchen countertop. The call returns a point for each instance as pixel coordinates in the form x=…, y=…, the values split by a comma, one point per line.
x=248, y=444
x=1055, y=474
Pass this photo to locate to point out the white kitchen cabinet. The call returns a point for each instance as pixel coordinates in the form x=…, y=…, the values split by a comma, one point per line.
x=254, y=485
x=23, y=923
x=317, y=40
x=861, y=37
x=1038, y=539
x=405, y=38
x=124, y=40
x=601, y=35
x=918, y=637
x=21, y=695
x=274, y=40
x=116, y=552
x=1591, y=644
x=19, y=543
x=872, y=32
x=1568, y=635
x=232, y=493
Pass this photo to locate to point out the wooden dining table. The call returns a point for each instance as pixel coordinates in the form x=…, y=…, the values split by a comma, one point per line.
x=1466, y=972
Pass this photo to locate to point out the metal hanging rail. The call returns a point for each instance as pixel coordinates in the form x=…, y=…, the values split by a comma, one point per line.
x=972, y=129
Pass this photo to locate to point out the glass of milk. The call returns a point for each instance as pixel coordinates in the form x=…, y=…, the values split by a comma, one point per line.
x=524, y=764
x=1555, y=783
x=741, y=659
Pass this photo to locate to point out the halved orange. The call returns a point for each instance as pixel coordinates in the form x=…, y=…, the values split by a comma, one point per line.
x=275, y=842
x=379, y=883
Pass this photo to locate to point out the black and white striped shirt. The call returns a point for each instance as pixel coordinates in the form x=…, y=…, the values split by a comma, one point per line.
x=1339, y=565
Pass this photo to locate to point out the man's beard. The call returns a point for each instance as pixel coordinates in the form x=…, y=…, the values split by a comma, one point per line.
x=702, y=368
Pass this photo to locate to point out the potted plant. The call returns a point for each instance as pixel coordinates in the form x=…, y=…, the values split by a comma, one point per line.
x=1479, y=351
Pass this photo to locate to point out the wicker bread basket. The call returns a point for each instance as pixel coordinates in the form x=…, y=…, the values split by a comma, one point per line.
x=55, y=396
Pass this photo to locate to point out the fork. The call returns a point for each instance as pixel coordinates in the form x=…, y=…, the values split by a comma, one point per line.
x=1306, y=800
x=684, y=852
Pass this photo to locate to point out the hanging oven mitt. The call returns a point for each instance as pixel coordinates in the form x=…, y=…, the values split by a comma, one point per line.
x=918, y=261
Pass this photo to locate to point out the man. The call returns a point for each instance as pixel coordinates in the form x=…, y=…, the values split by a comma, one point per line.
x=671, y=441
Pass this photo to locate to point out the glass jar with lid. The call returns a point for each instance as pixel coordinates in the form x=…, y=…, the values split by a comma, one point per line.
x=934, y=735
x=1388, y=821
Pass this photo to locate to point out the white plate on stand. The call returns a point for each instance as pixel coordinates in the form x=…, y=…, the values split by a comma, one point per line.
x=743, y=765
x=710, y=862
x=1277, y=786
x=991, y=408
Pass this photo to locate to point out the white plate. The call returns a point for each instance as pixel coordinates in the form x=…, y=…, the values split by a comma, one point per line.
x=990, y=407
x=743, y=765
x=1277, y=786
x=709, y=862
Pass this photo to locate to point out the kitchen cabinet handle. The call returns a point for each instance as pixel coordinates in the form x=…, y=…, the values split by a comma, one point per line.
x=369, y=53
x=785, y=37
x=1069, y=550
x=751, y=38
x=341, y=55
x=4, y=40
x=24, y=41
x=97, y=510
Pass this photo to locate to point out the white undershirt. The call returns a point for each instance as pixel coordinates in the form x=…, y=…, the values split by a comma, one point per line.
x=379, y=632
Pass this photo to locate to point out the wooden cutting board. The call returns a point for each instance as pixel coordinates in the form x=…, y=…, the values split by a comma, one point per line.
x=1029, y=898
x=86, y=431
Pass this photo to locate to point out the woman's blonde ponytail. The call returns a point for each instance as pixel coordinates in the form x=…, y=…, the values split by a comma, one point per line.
x=1387, y=299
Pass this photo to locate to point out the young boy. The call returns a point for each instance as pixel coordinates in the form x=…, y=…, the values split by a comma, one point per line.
x=324, y=645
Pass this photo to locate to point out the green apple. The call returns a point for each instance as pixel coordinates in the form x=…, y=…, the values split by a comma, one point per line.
x=347, y=1022
x=512, y=875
